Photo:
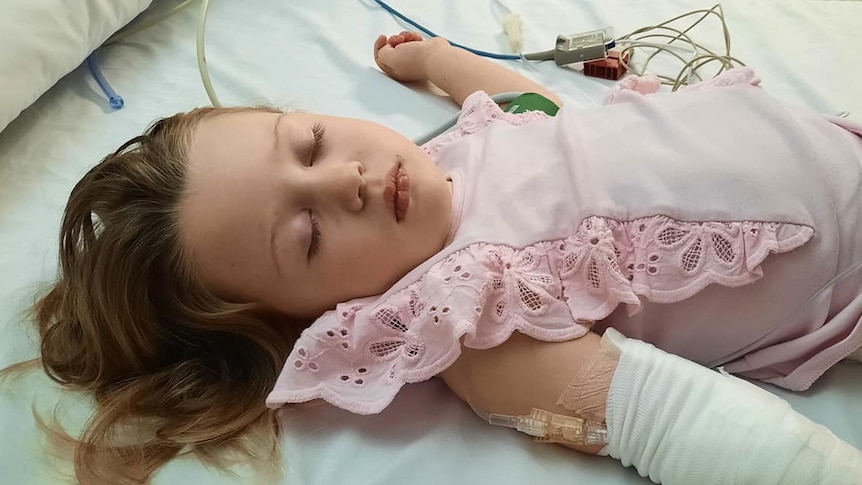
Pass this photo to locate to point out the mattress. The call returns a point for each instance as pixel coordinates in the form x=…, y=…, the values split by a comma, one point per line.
x=317, y=56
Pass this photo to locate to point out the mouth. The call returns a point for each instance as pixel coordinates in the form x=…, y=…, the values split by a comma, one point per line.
x=396, y=193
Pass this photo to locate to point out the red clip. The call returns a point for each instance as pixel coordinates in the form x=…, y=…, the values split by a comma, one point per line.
x=608, y=68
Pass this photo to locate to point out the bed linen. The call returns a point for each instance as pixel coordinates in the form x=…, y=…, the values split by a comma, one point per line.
x=317, y=56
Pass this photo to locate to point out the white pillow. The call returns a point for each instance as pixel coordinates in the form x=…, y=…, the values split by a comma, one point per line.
x=43, y=40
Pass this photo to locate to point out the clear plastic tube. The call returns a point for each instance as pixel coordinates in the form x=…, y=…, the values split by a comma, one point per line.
x=548, y=427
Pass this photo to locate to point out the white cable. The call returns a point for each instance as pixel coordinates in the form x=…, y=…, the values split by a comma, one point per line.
x=656, y=45
x=503, y=6
x=700, y=55
x=667, y=48
x=202, y=57
x=688, y=72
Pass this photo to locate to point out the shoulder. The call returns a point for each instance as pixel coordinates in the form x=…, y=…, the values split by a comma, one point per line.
x=480, y=111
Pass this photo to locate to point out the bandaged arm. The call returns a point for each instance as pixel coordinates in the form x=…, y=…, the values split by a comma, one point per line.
x=674, y=421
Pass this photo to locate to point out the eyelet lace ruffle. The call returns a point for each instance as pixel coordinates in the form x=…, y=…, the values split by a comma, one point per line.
x=357, y=357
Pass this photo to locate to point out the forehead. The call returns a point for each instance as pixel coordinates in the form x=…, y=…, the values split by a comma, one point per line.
x=226, y=153
x=237, y=131
x=229, y=184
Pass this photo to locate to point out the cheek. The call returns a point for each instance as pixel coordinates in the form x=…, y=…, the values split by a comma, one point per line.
x=378, y=259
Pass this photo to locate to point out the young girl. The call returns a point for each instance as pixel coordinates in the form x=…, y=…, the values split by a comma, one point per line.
x=226, y=244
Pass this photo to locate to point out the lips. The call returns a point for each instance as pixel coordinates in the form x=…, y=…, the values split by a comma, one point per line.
x=396, y=193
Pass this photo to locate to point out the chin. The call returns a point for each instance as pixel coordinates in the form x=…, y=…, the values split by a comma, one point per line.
x=400, y=270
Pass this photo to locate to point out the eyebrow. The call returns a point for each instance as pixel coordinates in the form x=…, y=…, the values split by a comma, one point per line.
x=277, y=220
x=275, y=131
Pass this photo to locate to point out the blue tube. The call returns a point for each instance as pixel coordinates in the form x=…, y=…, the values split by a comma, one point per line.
x=114, y=99
x=507, y=57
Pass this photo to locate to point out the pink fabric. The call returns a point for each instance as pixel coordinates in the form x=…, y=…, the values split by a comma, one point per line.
x=479, y=111
x=551, y=291
x=650, y=84
x=558, y=223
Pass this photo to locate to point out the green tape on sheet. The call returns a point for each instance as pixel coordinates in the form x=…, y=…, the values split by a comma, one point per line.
x=532, y=102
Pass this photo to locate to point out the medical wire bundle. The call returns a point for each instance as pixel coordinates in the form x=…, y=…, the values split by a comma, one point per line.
x=678, y=45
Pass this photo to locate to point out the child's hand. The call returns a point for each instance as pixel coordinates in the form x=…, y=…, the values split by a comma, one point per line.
x=403, y=57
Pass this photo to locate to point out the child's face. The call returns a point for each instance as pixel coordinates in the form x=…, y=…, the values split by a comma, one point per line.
x=264, y=222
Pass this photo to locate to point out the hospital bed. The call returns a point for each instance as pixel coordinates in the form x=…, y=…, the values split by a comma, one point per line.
x=317, y=56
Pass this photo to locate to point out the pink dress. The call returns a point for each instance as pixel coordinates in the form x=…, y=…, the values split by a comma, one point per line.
x=657, y=215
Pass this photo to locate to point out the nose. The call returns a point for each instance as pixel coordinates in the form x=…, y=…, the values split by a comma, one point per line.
x=342, y=184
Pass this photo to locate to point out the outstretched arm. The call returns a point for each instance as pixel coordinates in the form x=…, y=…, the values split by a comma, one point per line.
x=523, y=373
x=673, y=420
x=407, y=57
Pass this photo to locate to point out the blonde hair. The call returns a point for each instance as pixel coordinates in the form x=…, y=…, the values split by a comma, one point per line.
x=173, y=369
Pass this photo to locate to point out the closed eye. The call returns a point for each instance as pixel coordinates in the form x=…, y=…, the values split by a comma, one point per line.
x=317, y=132
x=314, y=245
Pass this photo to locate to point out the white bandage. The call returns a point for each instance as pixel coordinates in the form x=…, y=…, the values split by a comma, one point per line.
x=679, y=423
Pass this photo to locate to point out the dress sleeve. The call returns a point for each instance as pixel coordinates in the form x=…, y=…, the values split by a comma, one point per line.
x=479, y=111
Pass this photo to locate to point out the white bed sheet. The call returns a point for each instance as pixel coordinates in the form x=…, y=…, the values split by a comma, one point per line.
x=317, y=56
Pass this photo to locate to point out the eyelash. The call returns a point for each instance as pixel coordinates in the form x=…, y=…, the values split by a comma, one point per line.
x=314, y=247
x=317, y=131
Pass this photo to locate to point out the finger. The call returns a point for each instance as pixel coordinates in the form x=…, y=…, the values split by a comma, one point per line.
x=395, y=40
x=380, y=42
x=383, y=56
x=410, y=36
